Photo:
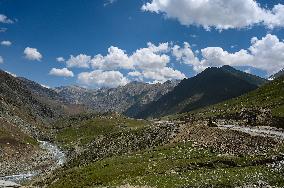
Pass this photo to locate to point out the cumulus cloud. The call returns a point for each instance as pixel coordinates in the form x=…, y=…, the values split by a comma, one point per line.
x=5, y=19
x=219, y=14
x=60, y=59
x=99, y=78
x=185, y=55
x=152, y=63
x=149, y=63
x=61, y=72
x=152, y=57
x=115, y=59
x=216, y=56
x=162, y=75
x=6, y=43
x=1, y=60
x=32, y=54
x=80, y=61
x=266, y=54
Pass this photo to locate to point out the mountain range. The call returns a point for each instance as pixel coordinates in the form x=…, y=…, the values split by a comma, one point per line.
x=138, y=99
x=105, y=143
x=277, y=75
x=212, y=86
x=128, y=99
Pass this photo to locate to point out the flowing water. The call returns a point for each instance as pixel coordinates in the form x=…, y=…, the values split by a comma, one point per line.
x=57, y=155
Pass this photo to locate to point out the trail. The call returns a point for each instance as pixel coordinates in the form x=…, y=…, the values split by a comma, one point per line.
x=257, y=131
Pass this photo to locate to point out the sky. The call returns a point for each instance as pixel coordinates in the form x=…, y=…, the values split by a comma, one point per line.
x=109, y=43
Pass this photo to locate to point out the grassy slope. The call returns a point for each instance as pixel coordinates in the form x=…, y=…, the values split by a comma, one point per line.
x=14, y=136
x=174, y=165
x=80, y=130
x=179, y=164
x=171, y=165
x=270, y=96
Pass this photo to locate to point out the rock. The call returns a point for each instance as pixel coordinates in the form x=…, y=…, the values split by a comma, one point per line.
x=129, y=99
x=211, y=123
x=8, y=184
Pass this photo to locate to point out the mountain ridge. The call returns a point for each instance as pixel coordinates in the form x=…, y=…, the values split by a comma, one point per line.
x=223, y=83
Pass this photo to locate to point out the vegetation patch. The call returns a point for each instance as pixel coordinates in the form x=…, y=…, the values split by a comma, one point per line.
x=173, y=165
x=81, y=130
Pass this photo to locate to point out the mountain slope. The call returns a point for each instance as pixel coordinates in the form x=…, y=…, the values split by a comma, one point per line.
x=128, y=99
x=277, y=75
x=209, y=87
x=17, y=99
x=264, y=106
x=252, y=79
x=24, y=118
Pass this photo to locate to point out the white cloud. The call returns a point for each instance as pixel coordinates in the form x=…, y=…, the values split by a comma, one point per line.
x=155, y=75
x=80, y=61
x=152, y=57
x=185, y=55
x=135, y=74
x=6, y=43
x=61, y=72
x=145, y=63
x=3, y=30
x=162, y=75
x=1, y=60
x=115, y=59
x=99, y=78
x=32, y=54
x=219, y=14
x=266, y=54
x=60, y=59
x=108, y=2
x=5, y=19
x=216, y=56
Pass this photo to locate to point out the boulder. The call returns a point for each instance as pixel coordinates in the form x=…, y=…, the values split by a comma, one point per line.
x=4, y=184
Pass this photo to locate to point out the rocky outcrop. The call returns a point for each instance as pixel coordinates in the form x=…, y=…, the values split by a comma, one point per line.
x=227, y=141
x=129, y=99
x=6, y=184
x=277, y=75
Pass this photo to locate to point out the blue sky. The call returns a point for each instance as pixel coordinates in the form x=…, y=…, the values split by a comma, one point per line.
x=70, y=27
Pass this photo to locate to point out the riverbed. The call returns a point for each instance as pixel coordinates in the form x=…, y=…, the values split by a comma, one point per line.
x=54, y=152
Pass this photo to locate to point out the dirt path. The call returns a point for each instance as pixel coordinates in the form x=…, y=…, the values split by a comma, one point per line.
x=257, y=131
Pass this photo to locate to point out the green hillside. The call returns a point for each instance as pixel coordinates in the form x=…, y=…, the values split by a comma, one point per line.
x=266, y=101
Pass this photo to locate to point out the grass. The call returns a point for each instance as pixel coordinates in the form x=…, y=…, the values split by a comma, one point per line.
x=174, y=165
x=269, y=96
x=15, y=136
x=82, y=132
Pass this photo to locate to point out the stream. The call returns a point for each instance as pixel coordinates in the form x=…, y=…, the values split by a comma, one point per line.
x=57, y=155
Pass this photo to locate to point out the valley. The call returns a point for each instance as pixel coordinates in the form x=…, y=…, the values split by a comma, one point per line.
x=217, y=135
